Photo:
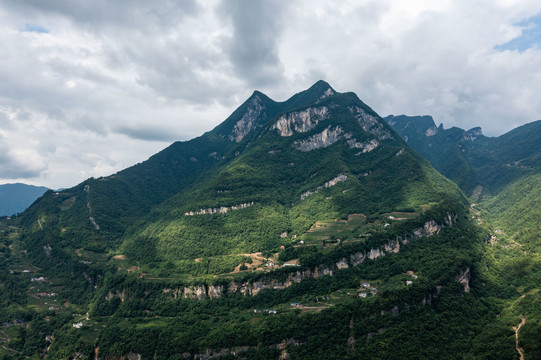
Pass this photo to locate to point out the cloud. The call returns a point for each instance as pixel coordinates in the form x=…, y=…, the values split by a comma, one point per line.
x=530, y=35
x=253, y=47
x=148, y=133
x=89, y=88
x=19, y=163
x=95, y=15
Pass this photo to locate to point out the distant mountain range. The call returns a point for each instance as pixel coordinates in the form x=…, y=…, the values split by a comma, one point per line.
x=15, y=198
x=472, y=160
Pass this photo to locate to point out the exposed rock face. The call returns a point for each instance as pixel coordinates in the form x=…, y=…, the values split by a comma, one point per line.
x=322, y=140
x=329, y=136
x=365, y=147
x=464, y=279
x=204, y=291
x=450, y=219
x=332, y=182
x=255, y=287
x=249, y=120
x=220, y=210
x=215, y=291
x=472, y=134
x=375, y=253
x=370, y=123
x=392, y=246
x=431, y=131
x=112, y=294
x=195, y=292
x=239, y=351
x=327, y=93
x=300, y=121
x=342, y=264
x=430, y=228
x=215, y=155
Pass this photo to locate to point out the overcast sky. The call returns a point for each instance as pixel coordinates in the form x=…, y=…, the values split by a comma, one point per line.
x=88, y=88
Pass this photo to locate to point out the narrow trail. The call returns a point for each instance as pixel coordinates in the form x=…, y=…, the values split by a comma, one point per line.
x=517, y=328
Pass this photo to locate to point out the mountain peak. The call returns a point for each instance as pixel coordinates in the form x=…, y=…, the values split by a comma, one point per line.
x=322, y=88
x=256, y=94
x=410, y=125
x=321, y=84
x=313, y=94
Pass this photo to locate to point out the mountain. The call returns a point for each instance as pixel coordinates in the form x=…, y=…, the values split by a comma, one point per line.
x=503, y=176
x=303, y=229
x=472, y=160
x=15, y=198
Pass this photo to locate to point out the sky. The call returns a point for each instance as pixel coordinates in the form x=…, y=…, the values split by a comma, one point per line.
x=88, y=88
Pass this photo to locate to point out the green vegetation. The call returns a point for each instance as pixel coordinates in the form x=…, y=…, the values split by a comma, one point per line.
x=240, y=243
x=517, y=211
x=471, y=159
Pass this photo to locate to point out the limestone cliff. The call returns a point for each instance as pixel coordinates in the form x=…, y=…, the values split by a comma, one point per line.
x=321, y=140
x=370, y=123
x=300, y=121
x=254, y=114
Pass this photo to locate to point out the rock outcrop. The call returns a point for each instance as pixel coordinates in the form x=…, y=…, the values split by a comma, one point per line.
x=431, y=131
x=300, y=121
x=249, y=120
x=365, y=147
x=430, y=228
x=220, y=210
x=252, y=288
x=202, y=292
x=472, y=134
x=328, y=184
x=370, y=123
x=321, y=140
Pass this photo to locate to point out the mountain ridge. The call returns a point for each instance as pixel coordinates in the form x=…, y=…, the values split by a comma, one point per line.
x=17, y=197
x=470, y=158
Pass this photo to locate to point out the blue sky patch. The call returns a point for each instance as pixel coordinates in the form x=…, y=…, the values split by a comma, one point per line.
x=530, y=37
x=35, y=28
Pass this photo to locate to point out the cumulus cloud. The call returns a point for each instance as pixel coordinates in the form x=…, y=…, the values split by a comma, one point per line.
x=88, y=88
x=253, y=46
x=147, y=134
x=19, y=163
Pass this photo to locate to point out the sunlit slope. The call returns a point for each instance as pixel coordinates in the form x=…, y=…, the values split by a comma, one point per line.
x=323, y=161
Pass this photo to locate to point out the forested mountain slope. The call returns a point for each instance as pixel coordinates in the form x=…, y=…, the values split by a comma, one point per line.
x=471, y=159
x=303, y=229
x=503, y=176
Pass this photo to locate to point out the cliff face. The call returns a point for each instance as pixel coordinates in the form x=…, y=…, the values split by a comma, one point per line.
x=209, y=291
x=300, y=121
x=252, y=117
x=321, y=140
x=370, y=123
